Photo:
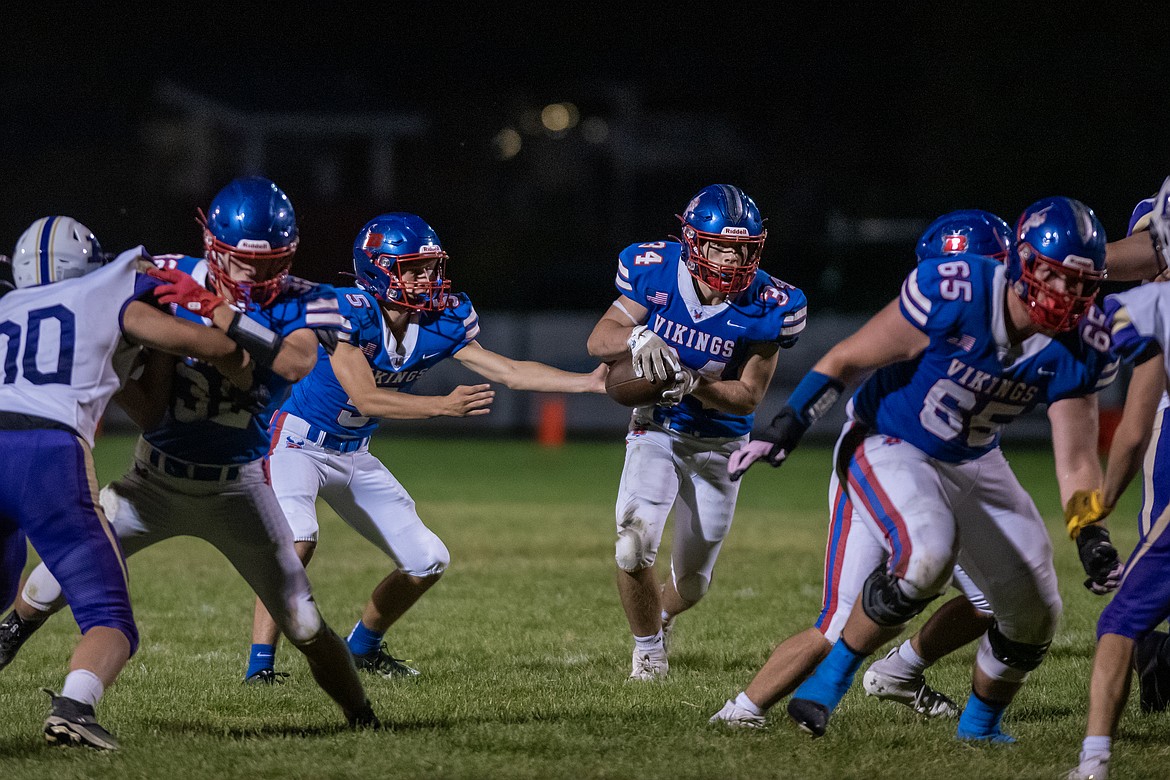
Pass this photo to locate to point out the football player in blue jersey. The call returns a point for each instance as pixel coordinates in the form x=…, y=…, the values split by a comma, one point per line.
x=1127, y=639
x=202, y=471
x=400, y=321
x=80, y=339
x=853, y=551
x=698, y=315
x=922, y=462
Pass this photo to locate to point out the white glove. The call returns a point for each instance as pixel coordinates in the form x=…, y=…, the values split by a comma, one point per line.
x=685, y=381
x=653, y=358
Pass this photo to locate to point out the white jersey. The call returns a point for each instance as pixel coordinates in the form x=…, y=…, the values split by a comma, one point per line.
x=63, y=352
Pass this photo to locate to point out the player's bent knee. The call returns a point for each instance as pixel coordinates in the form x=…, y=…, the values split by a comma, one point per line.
x=692, y=587
x=302, y=623
x=1005, y=659
x=432, y=563
x=886, y=603
x=632, y=551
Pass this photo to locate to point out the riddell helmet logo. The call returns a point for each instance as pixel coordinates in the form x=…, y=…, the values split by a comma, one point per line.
x=254, y=245
x=430, y=249
x=734, y=231
x=954, y=244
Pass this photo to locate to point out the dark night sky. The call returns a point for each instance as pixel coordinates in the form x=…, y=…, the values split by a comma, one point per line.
x=896, y=113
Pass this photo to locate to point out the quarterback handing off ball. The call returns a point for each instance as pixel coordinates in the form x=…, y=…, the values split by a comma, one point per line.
x=623, y=386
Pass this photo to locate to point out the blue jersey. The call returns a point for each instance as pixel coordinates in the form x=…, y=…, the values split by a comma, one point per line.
x=430, y=338
x=953, y=401
x=209, y=420
x=713, y=340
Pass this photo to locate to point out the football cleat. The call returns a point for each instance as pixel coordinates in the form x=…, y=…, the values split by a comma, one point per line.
x=1153, y=674
x=915, y=694
x=382, y=663
x=811, y=716
x=73, y=724
x=266, y=677
x=1094, y=769
x=14, y=632
x=649, y=665
x=734, y=716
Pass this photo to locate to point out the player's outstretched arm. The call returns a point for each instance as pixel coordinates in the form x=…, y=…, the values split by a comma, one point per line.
x=1078, y=472
x=1133, y=432
x=353, y=372
x=611, y=335
x=743, y=394
x=528, y=374
x=145, y=396
x=1133, y=258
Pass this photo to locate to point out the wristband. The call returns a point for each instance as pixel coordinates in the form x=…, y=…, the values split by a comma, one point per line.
x=260, y=342
x=814, y=396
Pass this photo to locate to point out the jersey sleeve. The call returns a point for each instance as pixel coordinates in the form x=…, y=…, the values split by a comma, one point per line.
x=785, y=310
x=358, y=317
x=1140, y=219
x=645, y=272
x=922, y=300
x=1132, y=317
x=469, y=322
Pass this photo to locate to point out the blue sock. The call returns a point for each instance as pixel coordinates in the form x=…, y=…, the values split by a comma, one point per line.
x=832, y=677
x=363, y=641
x=262, y=657
x=980, y=721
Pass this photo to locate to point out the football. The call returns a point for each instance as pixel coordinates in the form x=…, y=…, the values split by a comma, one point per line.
x=628, y=390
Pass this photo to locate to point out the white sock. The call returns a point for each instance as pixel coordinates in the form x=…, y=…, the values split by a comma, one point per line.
x=1096, y=748
x=646, y=643
x=743, y=702
x=84, y=686
x=914, y=662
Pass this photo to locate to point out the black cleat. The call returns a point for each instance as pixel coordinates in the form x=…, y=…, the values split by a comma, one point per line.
x=266, y=677
x=811, y=716
x=73, y=724
x=382, y=663
x=1153, y=672
x=14, y=632
x=364, y=718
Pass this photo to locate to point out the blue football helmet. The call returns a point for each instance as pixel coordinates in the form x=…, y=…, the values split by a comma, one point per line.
x=250, y=232
x=397, y=244
x=1058, y=238
x=52, y=249
x=723, y=214
x=967, y=231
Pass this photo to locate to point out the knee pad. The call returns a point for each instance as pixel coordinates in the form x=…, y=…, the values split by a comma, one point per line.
x=884, y=601
x=1017, y=657
x=692, y=587
x=632, y=551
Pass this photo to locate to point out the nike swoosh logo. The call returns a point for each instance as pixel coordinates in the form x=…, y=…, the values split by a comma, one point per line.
x=731, y=324
x=1045, y=372
x=428, y=357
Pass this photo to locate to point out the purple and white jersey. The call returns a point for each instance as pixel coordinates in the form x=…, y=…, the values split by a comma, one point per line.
x=208, y=419
x=954, y=400
x=430, y=338
x=62, y=345
x=713, y=340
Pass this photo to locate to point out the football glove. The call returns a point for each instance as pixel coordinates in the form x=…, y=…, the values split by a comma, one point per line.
x=1100, y=560
x=685, y=381
x=773, y=444
x=182, y=290
x=653, y=358
x=1083, y=509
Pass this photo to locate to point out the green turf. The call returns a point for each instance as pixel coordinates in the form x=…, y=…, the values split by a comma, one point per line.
x=524, y=649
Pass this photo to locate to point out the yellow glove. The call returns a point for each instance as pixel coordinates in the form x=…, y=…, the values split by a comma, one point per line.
x=1084, y=508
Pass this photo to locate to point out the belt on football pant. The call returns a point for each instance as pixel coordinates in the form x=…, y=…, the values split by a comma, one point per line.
x=197, y=471
x=331, y=441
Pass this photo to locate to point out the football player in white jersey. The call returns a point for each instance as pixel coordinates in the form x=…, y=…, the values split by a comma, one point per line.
x=922, y=463
x=401, y=320
x=701, y=316
x=69, y=344
x=201, y=472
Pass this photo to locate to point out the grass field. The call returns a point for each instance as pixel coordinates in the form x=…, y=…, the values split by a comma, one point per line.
x=524, y=649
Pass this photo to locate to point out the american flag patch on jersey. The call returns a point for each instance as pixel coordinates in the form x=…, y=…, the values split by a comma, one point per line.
x=964, y=342
x=658, y=298
x=370, y=348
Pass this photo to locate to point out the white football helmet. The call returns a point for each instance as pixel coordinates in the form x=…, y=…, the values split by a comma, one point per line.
x=53, y=249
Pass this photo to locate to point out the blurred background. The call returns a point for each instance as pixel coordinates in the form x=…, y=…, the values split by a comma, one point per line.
x=539, y=142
